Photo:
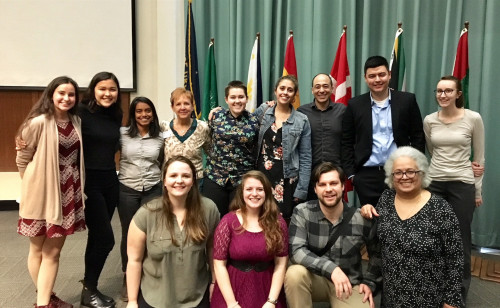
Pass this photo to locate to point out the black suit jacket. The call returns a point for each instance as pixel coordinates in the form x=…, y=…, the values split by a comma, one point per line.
x=357, y=128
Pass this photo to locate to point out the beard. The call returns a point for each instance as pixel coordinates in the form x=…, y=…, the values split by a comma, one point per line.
x=332, y=203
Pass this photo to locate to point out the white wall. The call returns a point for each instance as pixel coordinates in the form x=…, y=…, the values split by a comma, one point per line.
x=160, y=51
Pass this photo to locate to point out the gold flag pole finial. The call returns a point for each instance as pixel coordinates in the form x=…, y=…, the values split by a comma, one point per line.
x=258, y=35
x=466, y=24
x=400, y=24
x=291, y=32
x=345, y=28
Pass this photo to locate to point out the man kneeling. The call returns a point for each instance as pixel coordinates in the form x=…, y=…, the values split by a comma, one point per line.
x=325, y=241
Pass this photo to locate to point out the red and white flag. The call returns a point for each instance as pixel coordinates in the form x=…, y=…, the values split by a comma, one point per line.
x=340, y=73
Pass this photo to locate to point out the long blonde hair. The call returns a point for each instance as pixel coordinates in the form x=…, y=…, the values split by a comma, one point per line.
x=269, y=212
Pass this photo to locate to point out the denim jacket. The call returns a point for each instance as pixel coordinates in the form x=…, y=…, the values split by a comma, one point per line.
x=297, y=157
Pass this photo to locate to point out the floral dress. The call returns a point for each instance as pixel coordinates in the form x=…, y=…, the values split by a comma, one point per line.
x=271, y=164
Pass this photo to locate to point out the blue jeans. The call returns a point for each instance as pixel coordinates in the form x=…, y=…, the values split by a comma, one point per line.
x=130, y=201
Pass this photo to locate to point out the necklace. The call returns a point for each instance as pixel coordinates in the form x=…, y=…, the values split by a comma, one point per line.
x=407, y=209
x=182, y=129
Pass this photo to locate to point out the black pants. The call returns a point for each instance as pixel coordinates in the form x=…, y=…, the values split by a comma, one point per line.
x=220, y=195
x=101, y=188
x=130, y=201
x=462, y=198
x=369, y=184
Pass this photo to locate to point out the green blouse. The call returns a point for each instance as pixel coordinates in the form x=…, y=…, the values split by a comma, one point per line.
x=173, y=276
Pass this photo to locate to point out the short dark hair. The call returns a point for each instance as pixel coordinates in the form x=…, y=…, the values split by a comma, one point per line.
x=325, y=167
x=460, y=100
x=329, y=77
x=154, y=126
x=235, y=84
x=376, y=61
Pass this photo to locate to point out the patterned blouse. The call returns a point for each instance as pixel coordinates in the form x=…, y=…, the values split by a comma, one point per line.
x=233, y=144
x=189, y=145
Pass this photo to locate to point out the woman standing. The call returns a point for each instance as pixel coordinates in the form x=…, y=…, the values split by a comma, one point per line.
x=51, y=167
x=451, y=134
x=251, y=249
x=176, y=231
x=185, y=135
x=285, y=147
x=422, y=254
x=141, y=156
x=101, y=114
x=234, y=136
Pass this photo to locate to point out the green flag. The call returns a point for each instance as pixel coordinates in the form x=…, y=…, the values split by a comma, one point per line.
x=210, y=99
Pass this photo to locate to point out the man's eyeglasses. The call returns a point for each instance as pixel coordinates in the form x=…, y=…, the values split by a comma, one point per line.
x=409, y=174
x=445, y=91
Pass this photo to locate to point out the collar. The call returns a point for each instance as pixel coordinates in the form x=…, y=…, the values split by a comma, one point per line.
x=388, y=101
x=330, y=105
x=318, y=213
x=238, y=118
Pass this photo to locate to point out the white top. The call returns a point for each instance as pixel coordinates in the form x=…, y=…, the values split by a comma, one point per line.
x=450, y=146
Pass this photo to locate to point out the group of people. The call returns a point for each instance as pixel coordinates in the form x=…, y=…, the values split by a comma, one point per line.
x=195, y=236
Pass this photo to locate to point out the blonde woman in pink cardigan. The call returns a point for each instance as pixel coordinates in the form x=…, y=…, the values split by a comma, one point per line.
x=51, y=168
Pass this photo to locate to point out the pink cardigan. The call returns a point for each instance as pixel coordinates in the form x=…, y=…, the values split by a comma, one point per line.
x=38, y=165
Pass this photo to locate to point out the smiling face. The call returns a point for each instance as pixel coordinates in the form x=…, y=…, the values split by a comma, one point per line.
x=377, y=79
x=236, y=100
x=406, y=185
x=106, y=93
x=64, y=98
x=322, y=88
x=447, y=100
x=253, y=193
x=183, y=107
x=143, y=114
x=285, y=92
x=329, y=189
x=178, y=179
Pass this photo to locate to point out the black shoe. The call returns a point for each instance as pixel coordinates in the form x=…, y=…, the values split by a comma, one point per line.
x=92, y=299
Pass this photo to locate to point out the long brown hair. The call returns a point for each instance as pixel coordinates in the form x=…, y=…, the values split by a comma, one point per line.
x=269, y=212
x=45, y=104
x=194, y=222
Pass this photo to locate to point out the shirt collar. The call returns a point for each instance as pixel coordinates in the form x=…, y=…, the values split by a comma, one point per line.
x=330, y=105
x=385, y=105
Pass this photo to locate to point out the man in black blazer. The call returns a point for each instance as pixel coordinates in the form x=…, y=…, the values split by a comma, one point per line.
x=373, y=126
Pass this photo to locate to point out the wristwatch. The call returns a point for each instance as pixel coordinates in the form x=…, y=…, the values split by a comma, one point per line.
x=272, y=301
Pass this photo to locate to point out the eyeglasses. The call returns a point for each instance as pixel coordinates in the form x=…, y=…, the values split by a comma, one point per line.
x=409, y=174
x=445, y=91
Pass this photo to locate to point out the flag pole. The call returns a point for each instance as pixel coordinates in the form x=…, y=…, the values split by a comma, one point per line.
x=400, y=24
x=466, y=25
x=345, y=28
x=258, y=36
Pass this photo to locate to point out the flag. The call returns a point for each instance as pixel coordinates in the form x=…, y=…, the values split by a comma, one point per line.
x=191, y=81
x=290, y=66
x=461, y=65
x=397, y=66
x=254, y=81
x=340, y=73
x=210, y=98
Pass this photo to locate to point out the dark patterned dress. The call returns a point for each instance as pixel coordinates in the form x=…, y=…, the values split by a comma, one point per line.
x=271, y=164
x=71, y=195
x=251, y=288
x=422, y=256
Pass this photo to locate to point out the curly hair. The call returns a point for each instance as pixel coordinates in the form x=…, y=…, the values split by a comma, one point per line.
x=269, y=212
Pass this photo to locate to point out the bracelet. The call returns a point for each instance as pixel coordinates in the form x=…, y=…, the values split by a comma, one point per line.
x=235, y=304
x=272, y=301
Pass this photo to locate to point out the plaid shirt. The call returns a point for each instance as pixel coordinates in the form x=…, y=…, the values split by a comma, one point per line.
x=309, y=230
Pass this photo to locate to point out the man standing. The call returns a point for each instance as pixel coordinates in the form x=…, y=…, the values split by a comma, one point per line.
x=325, y=118
x=374, y=125
x=325, y=241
